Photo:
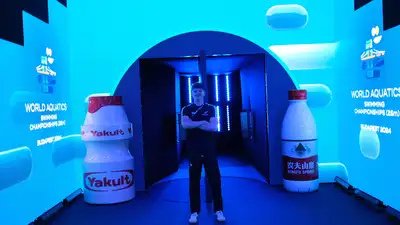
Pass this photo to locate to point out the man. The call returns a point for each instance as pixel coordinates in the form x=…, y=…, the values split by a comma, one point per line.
x=200, y=122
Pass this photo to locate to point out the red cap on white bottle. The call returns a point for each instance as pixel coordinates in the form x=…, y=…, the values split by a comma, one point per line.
x=297, y=95
x=96, y=102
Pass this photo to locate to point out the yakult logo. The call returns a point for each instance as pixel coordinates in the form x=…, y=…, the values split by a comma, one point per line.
x=109, y=181
x=104, y=133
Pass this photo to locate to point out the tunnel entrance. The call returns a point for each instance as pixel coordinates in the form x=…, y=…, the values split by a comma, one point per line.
x=236, y=72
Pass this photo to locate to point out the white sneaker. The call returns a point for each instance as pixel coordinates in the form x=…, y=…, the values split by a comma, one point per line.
x=193, y=218
x=220, y=216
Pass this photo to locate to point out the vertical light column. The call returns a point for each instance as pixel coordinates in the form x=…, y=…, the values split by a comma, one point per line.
x=218, y=118
x=190, y=89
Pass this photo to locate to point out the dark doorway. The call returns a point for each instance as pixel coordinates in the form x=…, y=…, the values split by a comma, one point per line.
x=236, y=85
x=157, y=83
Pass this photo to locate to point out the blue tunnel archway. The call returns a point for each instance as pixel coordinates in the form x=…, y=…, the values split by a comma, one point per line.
x=190, y=44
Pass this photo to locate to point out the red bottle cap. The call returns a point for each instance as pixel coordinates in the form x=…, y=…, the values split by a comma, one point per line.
x=96, y=102
x=297, y=95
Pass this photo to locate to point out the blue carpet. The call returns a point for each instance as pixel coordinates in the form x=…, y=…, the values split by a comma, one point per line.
x=247, y=202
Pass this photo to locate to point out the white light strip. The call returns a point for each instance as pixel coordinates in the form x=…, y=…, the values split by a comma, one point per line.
x=218, y=119
x=307, y=56
x=190, y=89
x=228, y=122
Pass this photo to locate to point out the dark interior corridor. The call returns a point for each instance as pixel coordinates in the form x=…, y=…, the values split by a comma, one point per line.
x=236, y=87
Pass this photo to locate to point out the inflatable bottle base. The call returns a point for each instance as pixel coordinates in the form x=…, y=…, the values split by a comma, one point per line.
x=105, y=198
x=301, y=186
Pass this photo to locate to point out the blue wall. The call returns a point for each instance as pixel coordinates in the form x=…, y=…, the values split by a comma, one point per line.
x=97, y=39
x=106, y=43
x=34, y=177
x=326, y=45
x=370, y=157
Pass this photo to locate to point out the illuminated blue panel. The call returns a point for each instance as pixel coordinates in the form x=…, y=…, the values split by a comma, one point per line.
x=218, y=118
x=228, y=91
x=19, y=161
x=199, y=79
x=228, y=122
x=313, y=56
x=190, y=89
x=318, y=95
x=67, y=149
x=216, y=89
x=287, y=17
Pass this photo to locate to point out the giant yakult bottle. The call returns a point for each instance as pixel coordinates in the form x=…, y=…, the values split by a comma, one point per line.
x=299, y=145
x=108, y=164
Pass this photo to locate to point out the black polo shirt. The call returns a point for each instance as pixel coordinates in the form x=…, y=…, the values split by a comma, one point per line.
x=199, y=113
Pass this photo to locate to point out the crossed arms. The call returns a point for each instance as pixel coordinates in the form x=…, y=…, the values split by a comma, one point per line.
x=187, y=123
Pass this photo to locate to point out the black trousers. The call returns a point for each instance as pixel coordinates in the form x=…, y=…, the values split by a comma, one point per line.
x=203, y=153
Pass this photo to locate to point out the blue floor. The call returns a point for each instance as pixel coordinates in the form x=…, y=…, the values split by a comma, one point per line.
x=248, y=201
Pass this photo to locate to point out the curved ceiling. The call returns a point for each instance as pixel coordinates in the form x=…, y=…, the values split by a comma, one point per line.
x=215, y=64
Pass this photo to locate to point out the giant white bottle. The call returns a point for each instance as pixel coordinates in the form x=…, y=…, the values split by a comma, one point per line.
x=299, y=145
x=108, y=164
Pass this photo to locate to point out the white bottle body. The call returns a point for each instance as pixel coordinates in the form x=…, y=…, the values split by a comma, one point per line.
x=108, y=173
x=108, y=164
x=299, y=148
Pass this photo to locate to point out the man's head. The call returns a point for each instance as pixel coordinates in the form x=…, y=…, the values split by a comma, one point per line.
x=198, y=91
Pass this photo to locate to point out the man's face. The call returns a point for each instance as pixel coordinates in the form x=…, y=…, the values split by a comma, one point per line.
x=198, y=93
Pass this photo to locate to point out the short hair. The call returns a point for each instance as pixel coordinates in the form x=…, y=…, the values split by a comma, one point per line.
x=197, y=86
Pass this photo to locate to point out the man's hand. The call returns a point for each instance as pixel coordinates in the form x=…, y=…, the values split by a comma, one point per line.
x=187, y=123
x=204, y=123
x=205, y=126
x=210, y=126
